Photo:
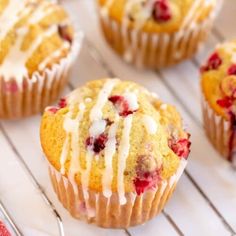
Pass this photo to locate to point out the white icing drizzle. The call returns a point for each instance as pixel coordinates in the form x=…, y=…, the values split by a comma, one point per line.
x=12, y=11
x=41, y=11
x=96, y=112
x=54, y=55
x=74, y=129
x=109, y=151
x=150, y=124
x=68, y=126
x=132, y=100
x=16, y=58
x=122, y=157
x=97, y=127
x=64, y=154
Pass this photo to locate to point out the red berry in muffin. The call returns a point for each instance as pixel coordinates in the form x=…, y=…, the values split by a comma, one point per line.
x=148, y=175
x=213, y=63
x=63, y=31
x=180, y=147
x=97, y=144
x=62, y=103
x=232, y=70
x=123, y=105
x=161, y=11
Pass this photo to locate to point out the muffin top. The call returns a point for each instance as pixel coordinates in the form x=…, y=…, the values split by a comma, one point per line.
x=34, y=34
x=114, y=136
x=158, y=15
x=219, y=79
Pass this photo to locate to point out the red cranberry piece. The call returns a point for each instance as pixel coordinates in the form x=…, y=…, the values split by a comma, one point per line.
x=62, y=103
x=97, y=144
x=226, y=102
x=147, y=181
x=161, y=11
x=64, y=33
x=181, y=147
x=53, y=109
x=3, y=230
x=122, y=105
x=148, y=175
x=213, y=63
x=232, y=70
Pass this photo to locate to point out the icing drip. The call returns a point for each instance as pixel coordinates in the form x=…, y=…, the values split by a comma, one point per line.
x=96, y=112
x=68, y=126
x=17, y=58
x=191, y=16
x=54, y=55
x=122, y=156
x=40, y=12
x=14, y=12
x=75, y=164
x=97, y=127
x=132, y=100
x=150, y=124
x=109, y=151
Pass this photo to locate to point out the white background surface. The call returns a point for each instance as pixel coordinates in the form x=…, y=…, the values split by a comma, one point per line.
x=205, y=199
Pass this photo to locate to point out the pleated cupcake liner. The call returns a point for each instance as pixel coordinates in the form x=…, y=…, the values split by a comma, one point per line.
x=29, y=96
x=219, y=131
x=155, y=50
x=108, y=212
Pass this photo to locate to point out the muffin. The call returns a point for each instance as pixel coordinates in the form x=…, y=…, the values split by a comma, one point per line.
x=218, y=83
x=115, y=152
x=156, y=33
x=37, y=48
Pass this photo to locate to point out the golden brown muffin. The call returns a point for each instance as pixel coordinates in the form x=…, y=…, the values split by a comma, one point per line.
x=218, y=86
x=113, y=141
x=156, y=33
x=36, y=41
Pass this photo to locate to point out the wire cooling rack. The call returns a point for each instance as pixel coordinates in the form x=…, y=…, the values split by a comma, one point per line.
x=205, y=199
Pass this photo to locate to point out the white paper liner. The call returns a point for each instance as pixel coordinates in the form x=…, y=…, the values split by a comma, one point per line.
x=154, y=50
x=218, y=130
x=32, y=95
x=107, y=212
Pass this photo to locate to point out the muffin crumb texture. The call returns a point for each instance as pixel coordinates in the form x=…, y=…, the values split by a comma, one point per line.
x=114, y=136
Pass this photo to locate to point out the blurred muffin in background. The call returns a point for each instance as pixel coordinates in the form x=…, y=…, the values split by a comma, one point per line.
x=156, y=33
x=37, y=48
x=218, y=83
